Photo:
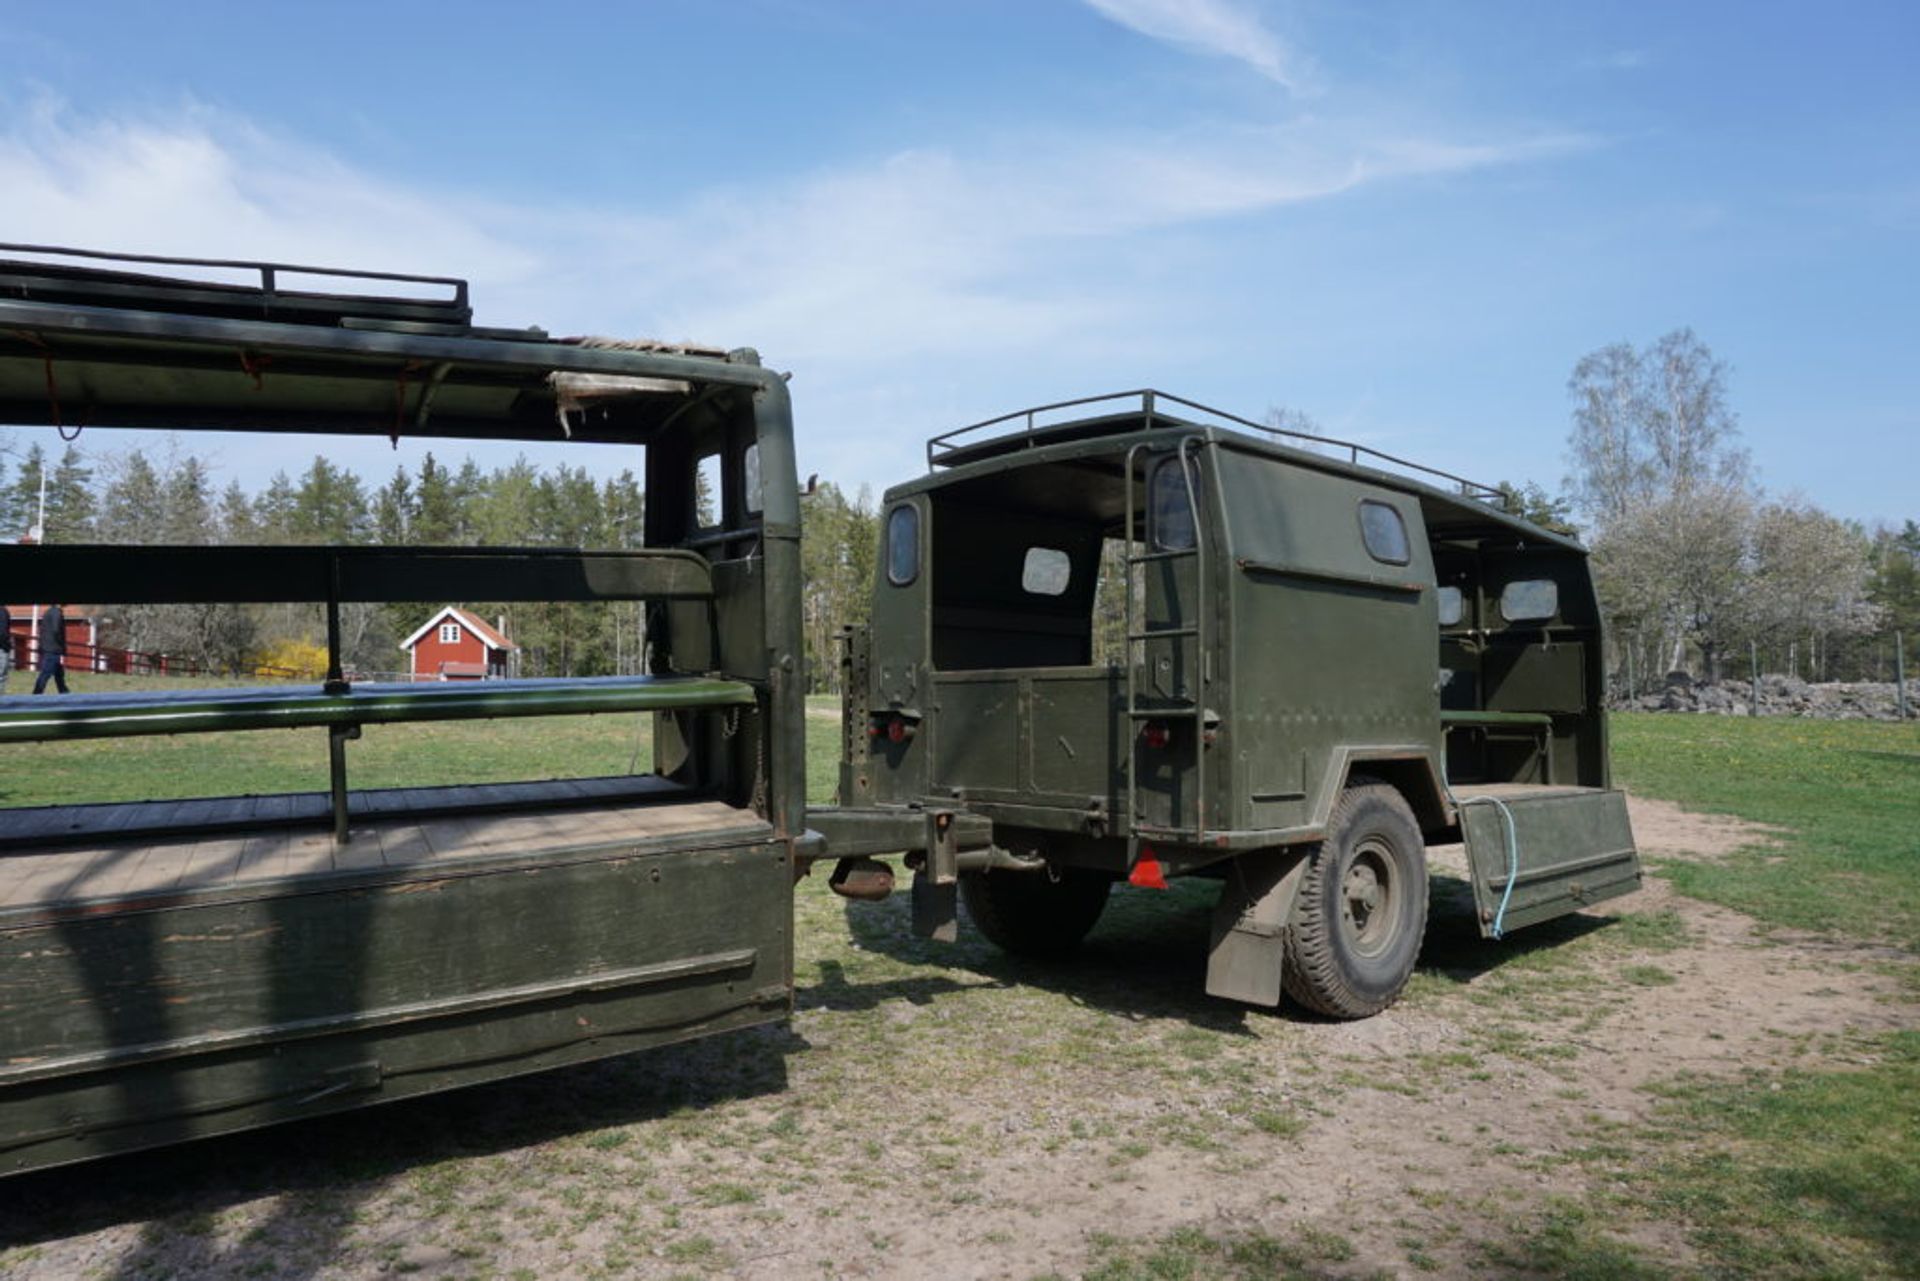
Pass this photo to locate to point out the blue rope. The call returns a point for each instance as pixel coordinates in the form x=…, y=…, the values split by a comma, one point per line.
x=1513, y=855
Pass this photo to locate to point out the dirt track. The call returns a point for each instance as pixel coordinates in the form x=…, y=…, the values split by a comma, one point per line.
x=951, y=1113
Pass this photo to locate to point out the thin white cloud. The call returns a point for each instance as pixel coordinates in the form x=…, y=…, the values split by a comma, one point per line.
x=1219, y=27
x=868, y=278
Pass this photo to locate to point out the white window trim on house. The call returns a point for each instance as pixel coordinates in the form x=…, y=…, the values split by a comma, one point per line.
x=449, y=633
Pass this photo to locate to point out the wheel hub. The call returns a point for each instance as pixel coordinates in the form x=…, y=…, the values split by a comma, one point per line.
x=1366, y=898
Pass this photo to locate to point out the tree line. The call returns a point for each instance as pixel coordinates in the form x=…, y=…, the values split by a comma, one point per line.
x=170, y=497
x=1696, y=564
x=1698, y=567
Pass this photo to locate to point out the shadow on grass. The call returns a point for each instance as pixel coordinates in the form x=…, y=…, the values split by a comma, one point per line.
x=321, y=1171
x=1454, y=949
x=1147, y=959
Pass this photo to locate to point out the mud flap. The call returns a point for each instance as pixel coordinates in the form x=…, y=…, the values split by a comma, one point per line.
x=936, y=886
x=1250, y=926
x=1562, y=850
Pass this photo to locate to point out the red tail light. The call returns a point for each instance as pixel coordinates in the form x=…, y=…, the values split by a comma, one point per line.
x=1155, y=734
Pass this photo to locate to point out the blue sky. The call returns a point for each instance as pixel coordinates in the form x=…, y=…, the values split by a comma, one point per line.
x=1407, y=220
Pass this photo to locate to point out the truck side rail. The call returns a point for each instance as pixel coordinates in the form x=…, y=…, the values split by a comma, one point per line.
x=26, y=719
x=330, y=575
x=156, y=574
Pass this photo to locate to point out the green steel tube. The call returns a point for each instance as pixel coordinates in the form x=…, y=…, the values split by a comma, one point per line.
x=211, y=711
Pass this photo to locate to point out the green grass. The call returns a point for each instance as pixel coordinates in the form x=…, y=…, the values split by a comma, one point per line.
x=1809, y=1174
x=1193, y=1253
x=1846, y=795
x=266, y=761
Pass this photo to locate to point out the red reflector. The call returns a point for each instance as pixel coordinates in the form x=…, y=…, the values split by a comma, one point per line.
x=1155, y=735
x=1146, y=872
x=897, y=730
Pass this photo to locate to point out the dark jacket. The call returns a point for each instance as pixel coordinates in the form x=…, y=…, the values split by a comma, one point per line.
x=6, y=631
x=53, y=632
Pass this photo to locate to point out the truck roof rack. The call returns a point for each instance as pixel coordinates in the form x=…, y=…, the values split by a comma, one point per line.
x=1130, y=411
x=237, y=288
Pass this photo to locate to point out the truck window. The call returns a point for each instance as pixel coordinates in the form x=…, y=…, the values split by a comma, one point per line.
x=1384, y=533
x=1169, y=513
x=1452, y=606
x=750, y=473
x=706, y=491
x=1046, y=571
x=1529, y=600
x=903, y=545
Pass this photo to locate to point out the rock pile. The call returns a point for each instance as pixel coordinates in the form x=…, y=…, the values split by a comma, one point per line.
x=1780, y=696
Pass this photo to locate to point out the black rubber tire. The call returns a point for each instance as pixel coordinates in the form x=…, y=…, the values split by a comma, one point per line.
x=1361, y=912
x=1030, y=913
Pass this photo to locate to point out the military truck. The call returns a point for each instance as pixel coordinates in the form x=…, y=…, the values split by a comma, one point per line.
x=182, y=967
x=1322, y=660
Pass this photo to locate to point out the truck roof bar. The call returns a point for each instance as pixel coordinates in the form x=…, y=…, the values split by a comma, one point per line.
x=949, y=450
x=49, y=273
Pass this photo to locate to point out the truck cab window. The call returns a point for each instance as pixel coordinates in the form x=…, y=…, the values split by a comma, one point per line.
x=1169, y=513
x=706, y=491
x=1046, y=571
x=1530, y=600
x=1384, y=533
x=750, y=475
x=1452, y=606
x=903, y=545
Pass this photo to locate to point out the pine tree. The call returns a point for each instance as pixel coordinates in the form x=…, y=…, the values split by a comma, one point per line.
x=70, y=500
x=395, y=511
x=436, y=507
x=24, y=494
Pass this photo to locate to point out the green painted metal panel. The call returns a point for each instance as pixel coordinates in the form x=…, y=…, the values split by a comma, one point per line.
x=127, y=1029
x=27, y=719
x=1571, y=848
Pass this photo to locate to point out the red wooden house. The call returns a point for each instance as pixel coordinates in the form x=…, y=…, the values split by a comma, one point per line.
x=456, y=645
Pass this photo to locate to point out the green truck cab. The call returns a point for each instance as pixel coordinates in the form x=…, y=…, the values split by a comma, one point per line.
x=1131, y=638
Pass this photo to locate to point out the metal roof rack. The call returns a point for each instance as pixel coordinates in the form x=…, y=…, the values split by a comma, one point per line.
x=48, y=273
x=1038, y=427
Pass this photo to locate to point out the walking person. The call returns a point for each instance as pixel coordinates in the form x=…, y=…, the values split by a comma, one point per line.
x=53, y=650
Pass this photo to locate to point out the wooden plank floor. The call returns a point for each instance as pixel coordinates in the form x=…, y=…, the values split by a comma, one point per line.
x=141, y=865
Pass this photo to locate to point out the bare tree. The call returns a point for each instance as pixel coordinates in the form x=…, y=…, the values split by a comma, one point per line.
x=1651, y=423
x=1675, y=569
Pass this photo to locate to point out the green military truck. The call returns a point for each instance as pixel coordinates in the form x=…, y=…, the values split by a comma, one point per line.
x=1316, y=661
x=182, y=967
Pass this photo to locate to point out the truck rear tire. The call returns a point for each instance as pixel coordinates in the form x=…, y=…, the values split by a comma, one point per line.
x=1361, y=911
x=1030, y=913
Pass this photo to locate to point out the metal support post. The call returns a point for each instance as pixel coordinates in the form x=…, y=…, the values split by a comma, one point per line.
x=1753, y=671
x=337, y=737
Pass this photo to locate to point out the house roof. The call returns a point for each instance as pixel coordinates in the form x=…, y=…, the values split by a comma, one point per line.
x=467, y=619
